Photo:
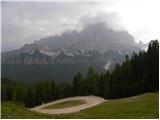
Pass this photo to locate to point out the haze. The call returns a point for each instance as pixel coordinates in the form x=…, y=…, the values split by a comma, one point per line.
x=24, y=22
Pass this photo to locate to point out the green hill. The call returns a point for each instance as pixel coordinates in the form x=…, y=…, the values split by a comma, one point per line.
x=141, y=106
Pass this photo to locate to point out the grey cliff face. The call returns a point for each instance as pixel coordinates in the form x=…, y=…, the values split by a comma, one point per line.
x=95, y=44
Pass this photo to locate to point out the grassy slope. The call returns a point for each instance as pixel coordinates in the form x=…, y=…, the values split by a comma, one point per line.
x=142, y=106
x=17, y=110
x=66, y=104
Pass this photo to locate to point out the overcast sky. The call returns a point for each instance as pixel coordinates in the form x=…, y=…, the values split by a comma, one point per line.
x=24, y=22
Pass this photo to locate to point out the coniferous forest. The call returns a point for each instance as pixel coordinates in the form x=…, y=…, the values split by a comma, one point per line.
x=138, y=74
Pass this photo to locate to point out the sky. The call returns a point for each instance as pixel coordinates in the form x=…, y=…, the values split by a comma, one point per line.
x=26, y=21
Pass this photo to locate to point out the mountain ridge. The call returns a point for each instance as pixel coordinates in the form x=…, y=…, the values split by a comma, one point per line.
x=96, y=46
x=97, y=38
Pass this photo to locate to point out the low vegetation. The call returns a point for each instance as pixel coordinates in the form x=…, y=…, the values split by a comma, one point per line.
x=65, y=104
x=10, y=110
x=141, y=106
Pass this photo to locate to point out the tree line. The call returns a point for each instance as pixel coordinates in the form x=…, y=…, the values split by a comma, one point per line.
x=137, y=74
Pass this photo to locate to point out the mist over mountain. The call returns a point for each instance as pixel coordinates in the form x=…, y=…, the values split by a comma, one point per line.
x=95, y=45
x=96, y=36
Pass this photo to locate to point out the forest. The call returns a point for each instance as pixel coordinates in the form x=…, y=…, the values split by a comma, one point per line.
x=137, y=74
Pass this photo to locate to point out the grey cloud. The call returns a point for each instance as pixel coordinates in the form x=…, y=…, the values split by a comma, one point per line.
x=24, y=22
x=112, y=20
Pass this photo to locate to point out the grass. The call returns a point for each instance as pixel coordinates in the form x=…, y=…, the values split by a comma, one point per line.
x=65, y=104
x=10, y=110
x=141, y=106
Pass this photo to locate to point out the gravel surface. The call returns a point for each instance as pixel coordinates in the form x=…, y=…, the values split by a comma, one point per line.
x=90, y=102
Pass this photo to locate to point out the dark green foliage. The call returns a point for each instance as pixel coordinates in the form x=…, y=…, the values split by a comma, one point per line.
x=57, y=72
x=35, y=93
x=91, y=83
x=85, y=86
x=153, y=64
x=137, y=74
x=78, y=84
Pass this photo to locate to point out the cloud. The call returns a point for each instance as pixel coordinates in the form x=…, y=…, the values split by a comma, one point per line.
x=112, y=20
x=24, y=22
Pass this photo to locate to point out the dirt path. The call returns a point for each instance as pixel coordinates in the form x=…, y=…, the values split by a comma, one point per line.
x=90, y=102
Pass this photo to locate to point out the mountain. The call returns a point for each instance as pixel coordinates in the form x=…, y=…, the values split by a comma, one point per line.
x=35, y=57
x=95, y=45
x=97, y=37
x=142, y=45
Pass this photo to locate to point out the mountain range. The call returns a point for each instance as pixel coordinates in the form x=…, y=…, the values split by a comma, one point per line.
x=95, y=45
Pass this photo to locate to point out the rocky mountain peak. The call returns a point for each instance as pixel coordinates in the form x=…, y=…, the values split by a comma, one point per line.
x=95, y=42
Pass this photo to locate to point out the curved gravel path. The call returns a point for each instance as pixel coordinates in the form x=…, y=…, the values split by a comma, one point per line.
x=90, y=102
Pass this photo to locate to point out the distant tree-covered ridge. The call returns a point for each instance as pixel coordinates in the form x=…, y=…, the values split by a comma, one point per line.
x=137, y=74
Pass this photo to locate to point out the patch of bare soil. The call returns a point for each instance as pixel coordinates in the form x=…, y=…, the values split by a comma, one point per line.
x=90, y=102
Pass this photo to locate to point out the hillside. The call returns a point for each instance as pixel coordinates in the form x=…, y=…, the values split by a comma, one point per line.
x=141, y=106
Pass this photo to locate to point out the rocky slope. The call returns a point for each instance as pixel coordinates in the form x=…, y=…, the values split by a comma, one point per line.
x=61, y=57
x=96, y=43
